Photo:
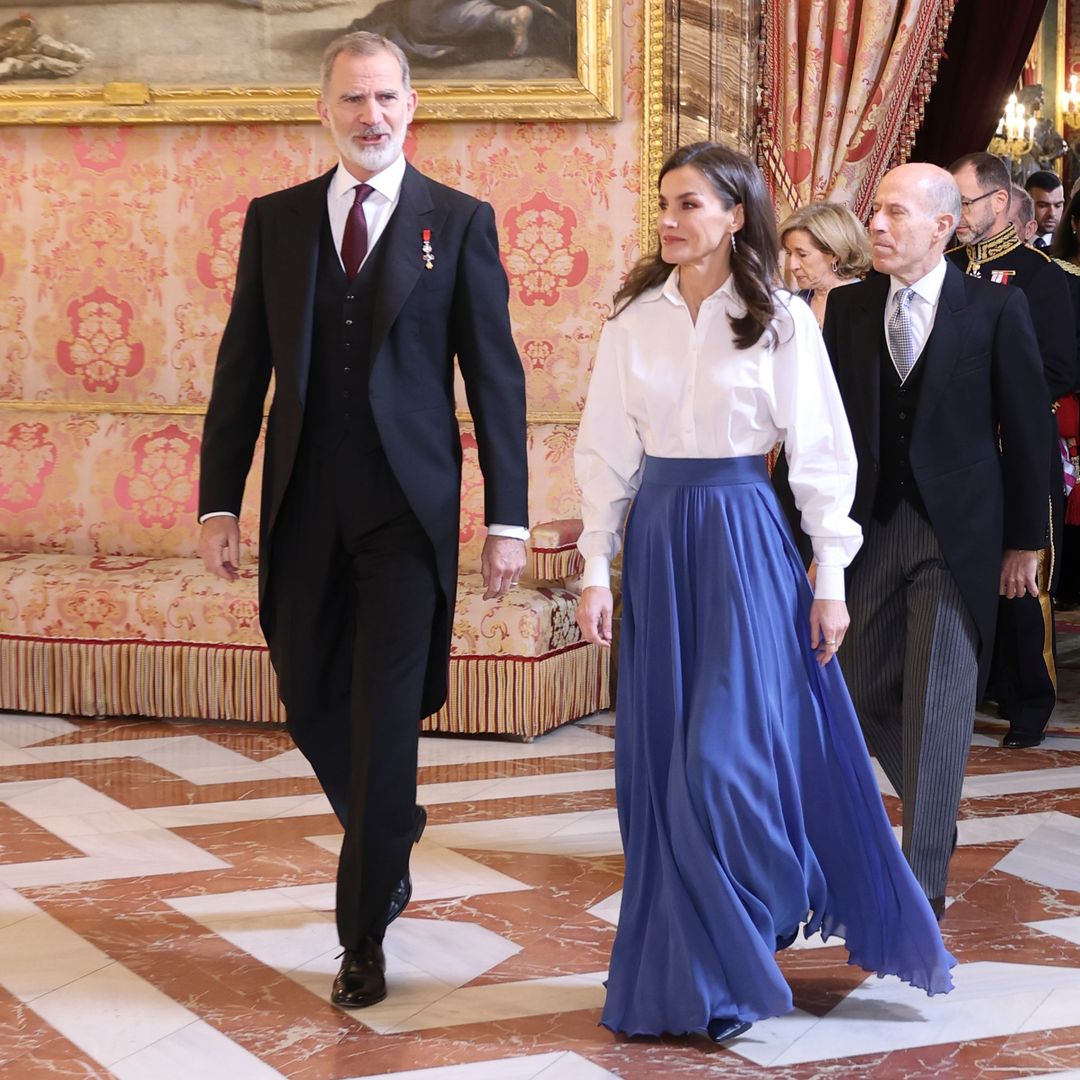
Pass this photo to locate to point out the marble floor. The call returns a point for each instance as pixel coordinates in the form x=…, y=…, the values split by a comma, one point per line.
x=166, y=897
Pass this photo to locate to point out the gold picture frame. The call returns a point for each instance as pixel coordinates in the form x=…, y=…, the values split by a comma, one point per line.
x=591, y=95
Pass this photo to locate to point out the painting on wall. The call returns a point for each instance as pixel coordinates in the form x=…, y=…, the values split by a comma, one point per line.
x=139, y=61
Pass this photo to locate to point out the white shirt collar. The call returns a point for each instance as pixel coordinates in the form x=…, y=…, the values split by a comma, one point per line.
x=670, y=290
x=387, y=183
x=928, y=287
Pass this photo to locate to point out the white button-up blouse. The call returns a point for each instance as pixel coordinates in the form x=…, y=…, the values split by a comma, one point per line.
x=666, y=386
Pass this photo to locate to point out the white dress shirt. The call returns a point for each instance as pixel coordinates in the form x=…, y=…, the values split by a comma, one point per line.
x=922, y=309
x=379, y=207
x=665, y=386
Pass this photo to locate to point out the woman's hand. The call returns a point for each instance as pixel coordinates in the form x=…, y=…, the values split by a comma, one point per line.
x=828, y=625
x=594, y=614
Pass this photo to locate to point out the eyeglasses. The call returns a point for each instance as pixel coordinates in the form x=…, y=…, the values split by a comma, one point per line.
x=965, y=203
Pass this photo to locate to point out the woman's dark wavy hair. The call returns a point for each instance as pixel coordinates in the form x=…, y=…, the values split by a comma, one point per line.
x=754, y=262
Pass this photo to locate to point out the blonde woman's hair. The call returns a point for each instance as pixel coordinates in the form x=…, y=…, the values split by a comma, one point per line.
x=835, y=231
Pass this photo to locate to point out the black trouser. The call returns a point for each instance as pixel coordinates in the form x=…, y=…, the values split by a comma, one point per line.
x=352, y=597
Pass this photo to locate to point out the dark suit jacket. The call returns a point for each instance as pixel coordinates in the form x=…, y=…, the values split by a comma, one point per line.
x=423, y=318
x=978, y=448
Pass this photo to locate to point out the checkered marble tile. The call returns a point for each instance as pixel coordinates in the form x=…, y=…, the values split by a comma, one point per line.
x=166, y=895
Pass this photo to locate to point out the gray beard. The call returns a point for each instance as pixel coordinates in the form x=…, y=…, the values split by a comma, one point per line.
x=373, y=159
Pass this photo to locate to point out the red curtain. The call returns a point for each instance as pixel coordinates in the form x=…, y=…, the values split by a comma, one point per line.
x=985, y=51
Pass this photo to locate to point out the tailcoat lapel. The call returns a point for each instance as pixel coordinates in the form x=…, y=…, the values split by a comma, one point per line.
x=296, y=257
x=401, y=259
x=942, y=349
x=867, y=333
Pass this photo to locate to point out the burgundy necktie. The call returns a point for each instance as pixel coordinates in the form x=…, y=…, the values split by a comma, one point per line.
x=354, y=242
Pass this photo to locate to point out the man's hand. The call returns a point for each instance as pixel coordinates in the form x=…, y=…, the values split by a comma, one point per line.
x=501, y=563
x=594, y=614
x=1018, y=574
x=828, y=625
x=219, y=546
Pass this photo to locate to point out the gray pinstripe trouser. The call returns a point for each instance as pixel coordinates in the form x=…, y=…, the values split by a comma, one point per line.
x=911, y=663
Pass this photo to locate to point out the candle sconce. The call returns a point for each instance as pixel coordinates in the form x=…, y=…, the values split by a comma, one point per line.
x=1015, y=135
x=1070, y=103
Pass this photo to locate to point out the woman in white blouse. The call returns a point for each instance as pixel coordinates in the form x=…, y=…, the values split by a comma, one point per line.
x=747, y=803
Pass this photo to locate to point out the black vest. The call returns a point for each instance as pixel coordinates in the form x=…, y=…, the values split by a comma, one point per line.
x=899, y=403
x=337, y=410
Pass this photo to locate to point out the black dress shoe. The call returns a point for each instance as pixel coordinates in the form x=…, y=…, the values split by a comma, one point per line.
x=724, y=1028
x=1021, y=740
x=402, y=893
x=361, y=980
x=937, y=906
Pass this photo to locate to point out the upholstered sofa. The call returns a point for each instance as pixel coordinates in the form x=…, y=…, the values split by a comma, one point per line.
x=105, y=609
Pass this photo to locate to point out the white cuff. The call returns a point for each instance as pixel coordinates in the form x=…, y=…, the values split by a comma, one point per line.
x=514, y=532
x=597, y=572
x=216, y=513
x=829, y=583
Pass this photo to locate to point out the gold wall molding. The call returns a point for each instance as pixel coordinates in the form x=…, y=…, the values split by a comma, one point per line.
x=596, y=93
x=532, y=416
x=701, y=83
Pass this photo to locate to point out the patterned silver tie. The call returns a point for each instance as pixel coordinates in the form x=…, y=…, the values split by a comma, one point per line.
x=900, y=340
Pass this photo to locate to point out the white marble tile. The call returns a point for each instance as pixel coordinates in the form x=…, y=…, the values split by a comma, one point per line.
x=1015, y=783
x=990, y=1000
x=516, y=787
x=38, y=955
x=191, y=757
x=197, y=1050
x=290, y=764
x=23, y=730
x=64, y=806
x=608, y=909
x=451, y=951
x=563, y=741
x=589, y=833
x=319, y=897
x=1067, y=929
x=441, y=874
x=111, y=1013
x=226, y=812
x=507, y=1001
x=1050, y=856
x=11, y=756
x=992, y=830
x=561, y=1065
x=884, y=786
x=14, y=907
x=600, y=719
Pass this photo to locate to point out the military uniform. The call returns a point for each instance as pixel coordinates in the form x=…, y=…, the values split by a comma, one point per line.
x=1023, y=677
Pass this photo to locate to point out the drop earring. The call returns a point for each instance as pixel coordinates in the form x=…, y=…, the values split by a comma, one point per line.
x=734, y=246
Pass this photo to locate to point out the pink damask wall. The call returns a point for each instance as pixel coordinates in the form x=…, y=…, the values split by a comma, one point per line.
x=117, y=254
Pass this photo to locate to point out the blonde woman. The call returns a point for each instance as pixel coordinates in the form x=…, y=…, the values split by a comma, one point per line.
x=826, y=247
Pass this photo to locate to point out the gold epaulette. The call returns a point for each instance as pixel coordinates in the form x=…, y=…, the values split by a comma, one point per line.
x=1067, y=266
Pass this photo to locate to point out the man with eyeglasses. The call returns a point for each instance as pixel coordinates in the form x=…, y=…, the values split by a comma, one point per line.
x=1023, y=678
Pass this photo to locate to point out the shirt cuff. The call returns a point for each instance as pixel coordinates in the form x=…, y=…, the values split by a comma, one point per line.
x=216, y=513
x=597, y=572
x=829, y=583
x=514, y=532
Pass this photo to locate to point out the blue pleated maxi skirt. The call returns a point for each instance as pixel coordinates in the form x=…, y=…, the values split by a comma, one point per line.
x=747, y=801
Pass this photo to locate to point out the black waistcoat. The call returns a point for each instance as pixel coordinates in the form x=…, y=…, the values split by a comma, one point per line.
x=337, y=410
x=899, y=403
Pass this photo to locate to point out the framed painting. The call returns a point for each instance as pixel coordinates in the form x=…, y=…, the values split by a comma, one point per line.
x=229, y=61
